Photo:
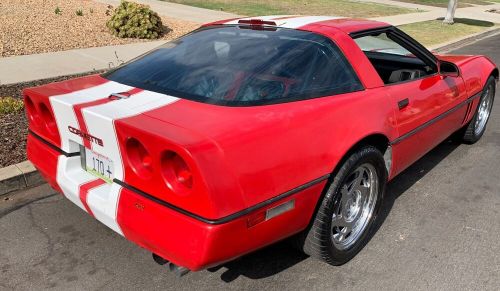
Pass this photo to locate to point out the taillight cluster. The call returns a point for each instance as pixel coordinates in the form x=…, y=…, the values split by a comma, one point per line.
x=41, y=118
x=139, y=159
x=164, y=161
x=174, y=170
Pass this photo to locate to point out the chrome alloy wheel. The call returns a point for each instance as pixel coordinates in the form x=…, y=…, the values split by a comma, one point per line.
x=354, y=206
x=484, y=110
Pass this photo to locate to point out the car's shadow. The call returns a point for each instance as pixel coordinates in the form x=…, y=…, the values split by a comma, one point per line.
x=281, y=256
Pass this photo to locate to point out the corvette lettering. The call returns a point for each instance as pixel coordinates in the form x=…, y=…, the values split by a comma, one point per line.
x=85, y=135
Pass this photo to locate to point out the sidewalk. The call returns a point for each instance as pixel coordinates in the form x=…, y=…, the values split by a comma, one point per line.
x=411, y=17
x=432, y=12
x=179, y=11
x=47, y=65
x=405, y=4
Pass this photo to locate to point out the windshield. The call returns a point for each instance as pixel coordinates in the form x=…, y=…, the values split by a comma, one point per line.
x=234, y=65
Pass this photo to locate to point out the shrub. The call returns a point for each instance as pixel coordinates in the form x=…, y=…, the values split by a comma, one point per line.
x=79, y=12
x=10, y=105
x=135, y=20
x=58, y=11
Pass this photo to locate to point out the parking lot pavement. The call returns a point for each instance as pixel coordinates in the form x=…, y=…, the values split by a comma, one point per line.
x=442, y=231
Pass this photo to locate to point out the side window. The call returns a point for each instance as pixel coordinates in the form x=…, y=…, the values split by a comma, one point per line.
x=393, y=62
x=382, y=44
x=332, y=73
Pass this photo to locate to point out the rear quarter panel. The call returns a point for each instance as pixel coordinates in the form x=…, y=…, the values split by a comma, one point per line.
x=274, y=148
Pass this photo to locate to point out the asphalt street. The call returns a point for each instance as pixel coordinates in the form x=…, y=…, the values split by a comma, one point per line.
x=441, y=231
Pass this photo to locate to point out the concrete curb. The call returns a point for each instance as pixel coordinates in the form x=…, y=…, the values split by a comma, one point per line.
x=19, y=176
x=24, y=175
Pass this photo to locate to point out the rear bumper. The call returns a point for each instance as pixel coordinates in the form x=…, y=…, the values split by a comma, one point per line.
x=182, y=239
x=197, y=245
x=44, y=158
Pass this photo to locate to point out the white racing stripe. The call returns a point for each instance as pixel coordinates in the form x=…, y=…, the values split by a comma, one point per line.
x=302, y=21
x=103, y=200
x=69, y=171
x=100, y=121
x=292, y=22
x=70, y=176
x=62, y=106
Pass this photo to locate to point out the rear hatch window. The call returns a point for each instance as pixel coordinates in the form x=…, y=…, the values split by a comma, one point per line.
x=238, y=66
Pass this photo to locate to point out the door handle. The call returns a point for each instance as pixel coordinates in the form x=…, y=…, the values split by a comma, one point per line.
x=403, y=103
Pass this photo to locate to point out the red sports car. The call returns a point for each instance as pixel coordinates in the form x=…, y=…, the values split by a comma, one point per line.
x=248, y=131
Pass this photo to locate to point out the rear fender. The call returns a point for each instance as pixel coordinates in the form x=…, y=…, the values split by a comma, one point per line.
x=213, y=194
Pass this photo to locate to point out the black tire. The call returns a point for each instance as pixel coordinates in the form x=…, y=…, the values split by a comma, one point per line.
x=469, y=134
x=317, y=240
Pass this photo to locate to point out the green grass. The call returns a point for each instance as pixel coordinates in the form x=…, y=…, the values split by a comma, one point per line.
x=434, y=32
x=299, y=7
x=10, y=105
x=444, y=3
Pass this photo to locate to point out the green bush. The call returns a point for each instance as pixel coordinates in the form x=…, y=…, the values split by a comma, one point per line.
x=10, y=105
x=135, y=20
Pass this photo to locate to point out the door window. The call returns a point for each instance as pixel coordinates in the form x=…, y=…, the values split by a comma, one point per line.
x=393, y=61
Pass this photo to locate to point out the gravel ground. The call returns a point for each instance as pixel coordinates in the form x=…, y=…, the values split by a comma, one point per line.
x=14, y=127
x=13, y=131
x=32, y=26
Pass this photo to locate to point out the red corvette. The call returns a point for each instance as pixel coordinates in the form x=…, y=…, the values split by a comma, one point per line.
x=248, y=131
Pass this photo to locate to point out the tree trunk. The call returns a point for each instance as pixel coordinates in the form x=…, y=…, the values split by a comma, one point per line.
x=450, y=13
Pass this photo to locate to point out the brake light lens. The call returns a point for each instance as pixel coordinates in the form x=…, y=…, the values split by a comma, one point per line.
x=176, y=172
x=48, y=119
x=257, y=22
x=31, y=111
x=140, y=160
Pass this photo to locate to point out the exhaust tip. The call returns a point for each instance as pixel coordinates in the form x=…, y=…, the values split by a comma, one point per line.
x=159, y=260
x=178, y=270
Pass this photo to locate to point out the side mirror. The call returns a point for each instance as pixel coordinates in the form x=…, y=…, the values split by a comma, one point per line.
x=448, y=69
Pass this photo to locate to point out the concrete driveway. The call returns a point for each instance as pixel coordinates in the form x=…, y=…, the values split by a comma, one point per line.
x=441, y=231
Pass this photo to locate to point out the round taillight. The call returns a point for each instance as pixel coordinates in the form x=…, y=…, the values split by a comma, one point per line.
x=48, y=119
x=139, y=159
x=31, y=111
x=176, y=173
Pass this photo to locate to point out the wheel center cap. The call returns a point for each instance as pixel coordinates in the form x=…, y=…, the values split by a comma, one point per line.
x=352, y=206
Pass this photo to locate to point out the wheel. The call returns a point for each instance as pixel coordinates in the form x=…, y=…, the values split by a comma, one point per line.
x=346, y=217
x=475, y=129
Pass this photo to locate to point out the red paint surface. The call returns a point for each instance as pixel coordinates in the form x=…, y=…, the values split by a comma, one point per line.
x=40, y=95
x=44, y=159
x=197, y=245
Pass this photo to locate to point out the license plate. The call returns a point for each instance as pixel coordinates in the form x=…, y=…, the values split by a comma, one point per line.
x=98, y=165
